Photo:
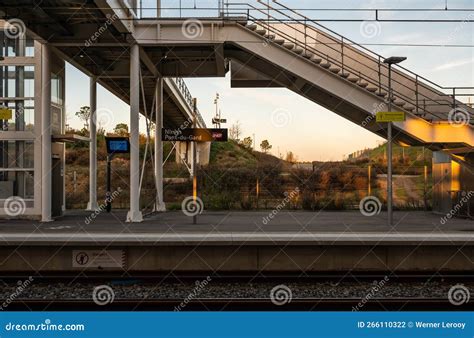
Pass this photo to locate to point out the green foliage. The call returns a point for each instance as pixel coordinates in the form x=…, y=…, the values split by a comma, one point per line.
x=121, y=129
x=265, y=146
x=84, y=114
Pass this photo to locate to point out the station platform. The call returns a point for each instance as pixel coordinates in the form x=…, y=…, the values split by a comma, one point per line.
x=236, y=227
x=239, y=241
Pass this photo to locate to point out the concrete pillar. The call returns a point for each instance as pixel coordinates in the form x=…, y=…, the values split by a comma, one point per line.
x=159, y=205
x=134, y=215
x=92, y=205
x=158, y=8
x=46, y=160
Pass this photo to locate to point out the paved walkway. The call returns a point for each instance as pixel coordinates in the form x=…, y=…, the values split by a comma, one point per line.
x=238, y=227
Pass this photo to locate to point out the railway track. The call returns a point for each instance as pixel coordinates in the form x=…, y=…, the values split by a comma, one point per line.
x=237, y=292
x=244, y=304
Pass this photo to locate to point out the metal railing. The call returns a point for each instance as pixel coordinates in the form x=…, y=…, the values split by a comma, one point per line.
x=428, y=99
x=188, y=98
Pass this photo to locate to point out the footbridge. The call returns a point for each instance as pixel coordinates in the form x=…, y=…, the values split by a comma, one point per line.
x=268, y=47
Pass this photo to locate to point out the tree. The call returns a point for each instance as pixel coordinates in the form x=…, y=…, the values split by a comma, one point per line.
x=265, y=146
x=247, y=142
x=235, y=131
x=84, y=114
x=121, y=129
x=290, y=157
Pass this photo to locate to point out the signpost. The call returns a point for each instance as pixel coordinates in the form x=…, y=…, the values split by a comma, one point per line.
x=393, y=60
x=115, y=145
x=218, y=121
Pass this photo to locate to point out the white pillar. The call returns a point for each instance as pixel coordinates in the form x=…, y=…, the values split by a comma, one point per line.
x=134, y=215
x=46, y=160
x=159, y=204
x=92, y=205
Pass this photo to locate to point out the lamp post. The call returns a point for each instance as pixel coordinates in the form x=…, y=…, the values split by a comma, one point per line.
x=393, y=60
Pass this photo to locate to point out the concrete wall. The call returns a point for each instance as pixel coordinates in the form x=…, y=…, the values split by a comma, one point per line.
x=184, y=151
x=228, y=258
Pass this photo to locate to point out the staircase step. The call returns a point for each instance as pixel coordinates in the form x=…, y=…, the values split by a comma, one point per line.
x=399, y=103
x=335, y=69
x=316, y=59
x=344, y=74
x=363, y=84
x=410, y=108
x=381, y=93
x=353, y=79
x=252, y=26
x=371, y=89
x=307, y=54
x=298, y=50
x=279, y=41
x=261, y=31
x=325, y=64
x=270, y=36
x=289, y=45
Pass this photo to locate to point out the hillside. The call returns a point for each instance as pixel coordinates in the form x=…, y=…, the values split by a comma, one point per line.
x=239, y=178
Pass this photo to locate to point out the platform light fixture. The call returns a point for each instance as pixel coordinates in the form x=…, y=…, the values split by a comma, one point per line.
x=393, y=60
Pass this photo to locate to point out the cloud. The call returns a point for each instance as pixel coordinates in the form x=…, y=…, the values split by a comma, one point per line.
x=454, y=64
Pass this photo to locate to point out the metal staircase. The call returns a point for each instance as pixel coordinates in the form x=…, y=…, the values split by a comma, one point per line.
x=416, y=95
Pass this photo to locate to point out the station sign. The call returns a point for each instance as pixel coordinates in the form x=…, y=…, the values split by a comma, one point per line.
x=390, y=116
x=195, y=135
x=117, y=145
x=5, y=113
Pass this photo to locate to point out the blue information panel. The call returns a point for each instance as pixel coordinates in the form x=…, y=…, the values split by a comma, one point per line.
x=237, y=324
x=117, y=145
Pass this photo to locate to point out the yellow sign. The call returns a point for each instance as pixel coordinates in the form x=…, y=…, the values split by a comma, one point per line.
x=5, y=114
x=390, y=116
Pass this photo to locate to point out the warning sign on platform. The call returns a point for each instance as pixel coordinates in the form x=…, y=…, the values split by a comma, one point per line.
x=98, y=258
